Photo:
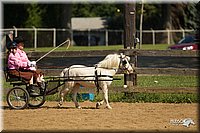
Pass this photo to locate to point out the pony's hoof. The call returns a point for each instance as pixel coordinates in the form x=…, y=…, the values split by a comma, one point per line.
x=79, y=107
x=97, y=105
x=108, y=107
x=59, y=105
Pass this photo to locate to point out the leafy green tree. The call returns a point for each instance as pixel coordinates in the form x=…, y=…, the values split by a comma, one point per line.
x=198, y=23
x=94, y=10
x=152, y=16
x=34, y=16
x=82, y=10
x=156, y=16
x=191, y=16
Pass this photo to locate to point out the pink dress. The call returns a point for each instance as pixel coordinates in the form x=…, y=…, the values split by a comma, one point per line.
x=19, y=60
x=14, y=61
x=24, y=59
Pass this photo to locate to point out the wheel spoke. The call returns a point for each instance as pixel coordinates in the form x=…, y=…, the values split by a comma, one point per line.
x=37, y=101
x=17, y=98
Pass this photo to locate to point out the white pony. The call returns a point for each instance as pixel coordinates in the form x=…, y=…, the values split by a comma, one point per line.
x=101, y=76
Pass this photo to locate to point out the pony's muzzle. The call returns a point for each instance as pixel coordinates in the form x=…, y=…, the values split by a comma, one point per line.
x=129, y=70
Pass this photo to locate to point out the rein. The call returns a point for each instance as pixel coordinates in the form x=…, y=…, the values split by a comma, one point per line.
x=97, y=80
x=96, y=75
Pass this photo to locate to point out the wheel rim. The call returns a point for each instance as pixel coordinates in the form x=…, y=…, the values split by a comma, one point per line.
x=36, y=101
x=17, y=98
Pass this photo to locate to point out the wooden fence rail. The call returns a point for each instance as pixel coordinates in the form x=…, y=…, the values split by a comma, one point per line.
x=150, y=71
x=131, y=52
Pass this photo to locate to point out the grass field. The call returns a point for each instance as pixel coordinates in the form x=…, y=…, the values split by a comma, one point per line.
x=111, y=47
x=146, y=81
x=149, y=81
x=163, y=81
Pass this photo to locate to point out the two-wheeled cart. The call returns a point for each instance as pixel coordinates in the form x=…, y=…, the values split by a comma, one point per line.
x=19, y=96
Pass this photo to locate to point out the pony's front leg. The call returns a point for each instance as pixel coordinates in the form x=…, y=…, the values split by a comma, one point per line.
x=62, y=94
x=74, y=95
x=105, y=91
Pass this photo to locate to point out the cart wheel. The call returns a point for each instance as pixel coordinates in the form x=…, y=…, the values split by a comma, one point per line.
x=38, y=100
x=17, y=98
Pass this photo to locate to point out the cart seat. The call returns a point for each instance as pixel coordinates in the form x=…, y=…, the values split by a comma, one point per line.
x=11, y=78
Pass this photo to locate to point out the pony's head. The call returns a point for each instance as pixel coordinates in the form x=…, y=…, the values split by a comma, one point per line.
x=124, y=65
x=116, y=61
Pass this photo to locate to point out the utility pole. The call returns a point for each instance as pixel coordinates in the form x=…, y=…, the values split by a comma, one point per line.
x=129, y=39
x=141, y=23
x=129, y=25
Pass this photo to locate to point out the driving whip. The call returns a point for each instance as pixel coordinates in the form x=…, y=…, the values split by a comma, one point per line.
x=54, y=49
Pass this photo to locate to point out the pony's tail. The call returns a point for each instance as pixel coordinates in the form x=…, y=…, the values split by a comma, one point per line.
x=62, y=74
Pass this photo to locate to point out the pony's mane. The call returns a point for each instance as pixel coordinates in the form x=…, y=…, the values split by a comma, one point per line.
x=110, y=61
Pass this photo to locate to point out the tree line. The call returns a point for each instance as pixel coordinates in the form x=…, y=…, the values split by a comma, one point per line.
x=156, y=16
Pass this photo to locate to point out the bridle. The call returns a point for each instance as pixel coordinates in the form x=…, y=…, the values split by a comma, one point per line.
x=122, y=67
x=122, y=64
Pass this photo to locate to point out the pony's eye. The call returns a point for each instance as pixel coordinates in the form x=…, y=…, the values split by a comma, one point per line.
x=124, y=62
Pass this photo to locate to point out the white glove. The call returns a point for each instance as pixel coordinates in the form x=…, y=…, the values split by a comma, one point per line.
x=32, y=64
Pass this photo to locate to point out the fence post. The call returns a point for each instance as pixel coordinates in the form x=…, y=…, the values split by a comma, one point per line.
x=183, y=33
x=35, y=37
x=168, y=37
x=72, y=37
x=106, y=37
x=15, y=31
x=89, y=37
x=153, y=36
x=54, y=37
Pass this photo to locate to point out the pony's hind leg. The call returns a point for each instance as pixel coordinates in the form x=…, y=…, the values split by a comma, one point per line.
x=62, y=94
x=99, y=104
x=74, y=95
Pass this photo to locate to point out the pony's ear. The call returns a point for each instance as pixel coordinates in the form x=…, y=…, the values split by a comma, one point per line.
x=122, y=55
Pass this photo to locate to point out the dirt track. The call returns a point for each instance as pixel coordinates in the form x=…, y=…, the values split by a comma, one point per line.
x=143, y=117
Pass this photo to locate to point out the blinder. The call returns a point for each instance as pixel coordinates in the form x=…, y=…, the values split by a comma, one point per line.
x=123, y=63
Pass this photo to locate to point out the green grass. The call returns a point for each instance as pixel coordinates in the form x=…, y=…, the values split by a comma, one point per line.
x=154, y=47
x=138, y=97
x=162, y=81
x=110, y=47
x=146, y=81
x=168, y=81
x=155, y=98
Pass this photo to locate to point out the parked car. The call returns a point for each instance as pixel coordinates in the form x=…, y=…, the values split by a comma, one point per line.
x=187, y=43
